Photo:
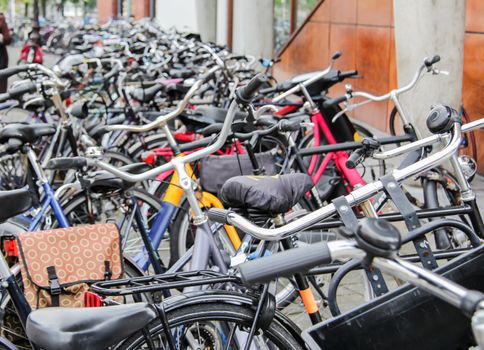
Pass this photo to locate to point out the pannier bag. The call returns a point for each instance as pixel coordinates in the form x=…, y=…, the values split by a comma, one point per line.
x=215, y=170
x=59, y=265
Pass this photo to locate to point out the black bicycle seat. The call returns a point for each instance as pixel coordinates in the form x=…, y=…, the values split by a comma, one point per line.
x=87, y=328
x=268, y=194
x=26, y=133
x=14, y=202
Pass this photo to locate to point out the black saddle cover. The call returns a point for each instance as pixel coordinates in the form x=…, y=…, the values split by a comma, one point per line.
x=269, y=194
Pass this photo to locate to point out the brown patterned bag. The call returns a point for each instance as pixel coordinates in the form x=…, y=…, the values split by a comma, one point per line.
x=59, y=265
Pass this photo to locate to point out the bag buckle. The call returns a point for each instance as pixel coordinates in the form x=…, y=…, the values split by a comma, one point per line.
x=55, y=287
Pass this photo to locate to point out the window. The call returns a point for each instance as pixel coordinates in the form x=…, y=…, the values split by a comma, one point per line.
x=289, y=15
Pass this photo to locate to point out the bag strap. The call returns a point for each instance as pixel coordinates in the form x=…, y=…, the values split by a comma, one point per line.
x=107, y=270
x=55, y=288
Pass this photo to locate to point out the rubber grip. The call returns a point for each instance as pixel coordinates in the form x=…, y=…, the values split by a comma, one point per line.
x=285, y=264
x=64, y=163
x=21, y=89
x=430, y=61
x=355, y=158
x=289, y=125
x=218, y=215
x=347, y=74
x=8, y=72
x=334, y=101
x=246, y=93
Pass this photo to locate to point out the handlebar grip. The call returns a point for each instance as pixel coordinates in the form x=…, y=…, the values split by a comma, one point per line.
x=284, y=264
x=21, y=89
x=355, y=158
x=8, y=72
x=65, y=163
x=289, y=125
x=347, y=74
x=334, y=101
x=431, y=61
x=246, y=93
x=218, y=215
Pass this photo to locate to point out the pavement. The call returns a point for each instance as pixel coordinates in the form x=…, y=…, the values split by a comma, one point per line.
x=352, y=292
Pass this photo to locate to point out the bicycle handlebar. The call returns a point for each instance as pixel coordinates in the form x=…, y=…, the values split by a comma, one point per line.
x=162, y=119
x=358, y=195
x=285, y=264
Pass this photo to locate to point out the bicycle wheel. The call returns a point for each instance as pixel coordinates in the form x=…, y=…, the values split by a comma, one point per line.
x=214, y=326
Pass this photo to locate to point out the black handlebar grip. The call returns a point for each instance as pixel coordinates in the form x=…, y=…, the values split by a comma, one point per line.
x=21, y=89
x=246, y=93
x=8, y=72
x=430, y=61
x=355, y=158
x=218, y=215
x=347, y=74
x=65, y=163
x=334, y=101
x=284, y=264
x=289, y=125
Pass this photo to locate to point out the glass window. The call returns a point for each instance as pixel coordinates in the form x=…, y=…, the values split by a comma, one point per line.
x=282, y=22
x=282, y=18
x=304, y=7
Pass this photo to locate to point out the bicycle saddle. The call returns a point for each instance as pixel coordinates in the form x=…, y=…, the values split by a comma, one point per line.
x=104, y=180
x=26, y=133
x=269, y=194
x=58, y=328
x=14, y=202
x=146, y=95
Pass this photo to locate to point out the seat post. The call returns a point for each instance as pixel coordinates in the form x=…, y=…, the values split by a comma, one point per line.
x=34, y=162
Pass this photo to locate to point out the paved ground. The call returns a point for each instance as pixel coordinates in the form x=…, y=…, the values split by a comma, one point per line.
x=352, y=291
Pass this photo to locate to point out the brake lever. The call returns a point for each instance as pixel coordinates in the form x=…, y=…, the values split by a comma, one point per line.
x=264, y=109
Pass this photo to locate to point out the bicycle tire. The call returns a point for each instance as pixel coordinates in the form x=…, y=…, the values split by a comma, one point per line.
x=210, y=315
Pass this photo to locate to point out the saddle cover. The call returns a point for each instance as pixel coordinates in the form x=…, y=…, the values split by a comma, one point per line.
x=59, y=265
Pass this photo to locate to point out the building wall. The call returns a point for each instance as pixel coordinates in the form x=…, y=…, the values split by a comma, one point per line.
x=140, y=8
x=105, y=10
x=363, y=31
x=473, y=82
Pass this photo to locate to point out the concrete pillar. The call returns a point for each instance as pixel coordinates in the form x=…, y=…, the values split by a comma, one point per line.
x=180, y=14
x=222, y=7
x=207, y=19
x=424, y=28
x=253, y=27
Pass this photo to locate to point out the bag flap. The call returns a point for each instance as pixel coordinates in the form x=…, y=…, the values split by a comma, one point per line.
x=78, y=254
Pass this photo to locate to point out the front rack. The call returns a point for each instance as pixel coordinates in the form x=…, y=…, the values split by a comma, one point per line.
x=146, y=284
